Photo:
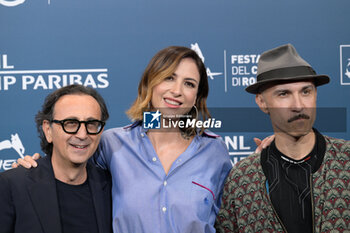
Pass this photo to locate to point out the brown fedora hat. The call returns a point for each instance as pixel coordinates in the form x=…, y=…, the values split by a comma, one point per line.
x=284, y=64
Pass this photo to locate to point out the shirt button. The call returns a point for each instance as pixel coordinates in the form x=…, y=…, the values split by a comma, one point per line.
x=142, y=135
x=154, y=159
x=164, y=209
x=165, y=183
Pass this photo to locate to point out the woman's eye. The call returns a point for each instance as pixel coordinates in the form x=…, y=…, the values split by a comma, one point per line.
x=189, y=84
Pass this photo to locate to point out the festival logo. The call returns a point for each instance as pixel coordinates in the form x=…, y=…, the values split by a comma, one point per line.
x=15, y=144
x=345, y=64
x=11, y=3
x=210, y=74
x=239, y=69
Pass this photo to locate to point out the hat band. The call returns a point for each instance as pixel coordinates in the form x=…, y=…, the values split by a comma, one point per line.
x=286, y=72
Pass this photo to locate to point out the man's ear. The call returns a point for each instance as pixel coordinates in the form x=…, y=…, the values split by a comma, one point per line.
x=46, y=126
x=259, y=100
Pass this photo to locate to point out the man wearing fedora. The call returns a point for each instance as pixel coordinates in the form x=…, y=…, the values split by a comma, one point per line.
x=301, y=182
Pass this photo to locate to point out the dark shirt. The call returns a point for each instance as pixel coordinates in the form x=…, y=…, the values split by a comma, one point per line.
x=76, y=208
x=290, y=185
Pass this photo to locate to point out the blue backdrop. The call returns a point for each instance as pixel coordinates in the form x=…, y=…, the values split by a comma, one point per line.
x=106, y=44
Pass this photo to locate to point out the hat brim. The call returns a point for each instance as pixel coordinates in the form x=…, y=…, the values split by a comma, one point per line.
x=318, y=80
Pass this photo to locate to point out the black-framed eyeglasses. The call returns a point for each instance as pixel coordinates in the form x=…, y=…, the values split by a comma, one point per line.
x=72, y=126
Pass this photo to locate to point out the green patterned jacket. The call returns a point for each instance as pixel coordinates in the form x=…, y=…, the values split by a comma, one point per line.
x=246, y=207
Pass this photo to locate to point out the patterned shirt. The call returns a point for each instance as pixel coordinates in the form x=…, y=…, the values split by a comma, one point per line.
x=246, y=206
x=289, y=184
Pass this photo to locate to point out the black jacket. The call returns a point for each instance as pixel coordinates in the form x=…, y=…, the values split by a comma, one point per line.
x=28, y=199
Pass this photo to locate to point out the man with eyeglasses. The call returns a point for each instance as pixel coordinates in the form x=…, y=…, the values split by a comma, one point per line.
x=64, y=193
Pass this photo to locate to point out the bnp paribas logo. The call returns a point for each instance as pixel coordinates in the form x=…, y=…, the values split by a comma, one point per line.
x=151, y=120
x=345, y=64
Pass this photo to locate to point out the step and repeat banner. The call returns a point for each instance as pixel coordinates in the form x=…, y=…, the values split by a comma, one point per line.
x=106, y=44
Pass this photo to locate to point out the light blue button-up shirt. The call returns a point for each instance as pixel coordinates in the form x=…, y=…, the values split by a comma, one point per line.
x=146, y=199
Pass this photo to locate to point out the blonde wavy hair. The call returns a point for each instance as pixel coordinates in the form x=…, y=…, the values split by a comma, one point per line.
x=161, y=66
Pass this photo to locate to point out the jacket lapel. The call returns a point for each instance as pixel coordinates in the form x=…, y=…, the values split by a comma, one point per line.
x=100, y=191
x=41, y=186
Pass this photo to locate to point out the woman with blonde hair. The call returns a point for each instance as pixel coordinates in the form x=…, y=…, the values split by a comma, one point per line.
x=166, y=180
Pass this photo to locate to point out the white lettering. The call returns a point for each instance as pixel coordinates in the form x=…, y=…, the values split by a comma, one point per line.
x=181, y=124
x=5, y=63
x=251, y=80
x=239, y=70
x=8, y=80
x=231, y=142
x=236, y=142
x=236, y=81
x=54, y=80
x=245, y=59
x=6, y=164
x=199, y=124
x=164, y=125
x=241, y=144
x=190, y=123
x=254, y=69
x=103, y=79
x=257, y=59
x=89, y=81
x=27, y=79
x=242, y=81
x=65, y=80
x=40, y=82
x=245, y=81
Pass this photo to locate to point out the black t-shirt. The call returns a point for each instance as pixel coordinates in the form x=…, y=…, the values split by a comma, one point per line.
x=77, y=209
x=289, y=184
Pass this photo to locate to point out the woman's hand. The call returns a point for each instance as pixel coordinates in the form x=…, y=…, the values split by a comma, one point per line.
x=27, y=162
x=264, y=143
